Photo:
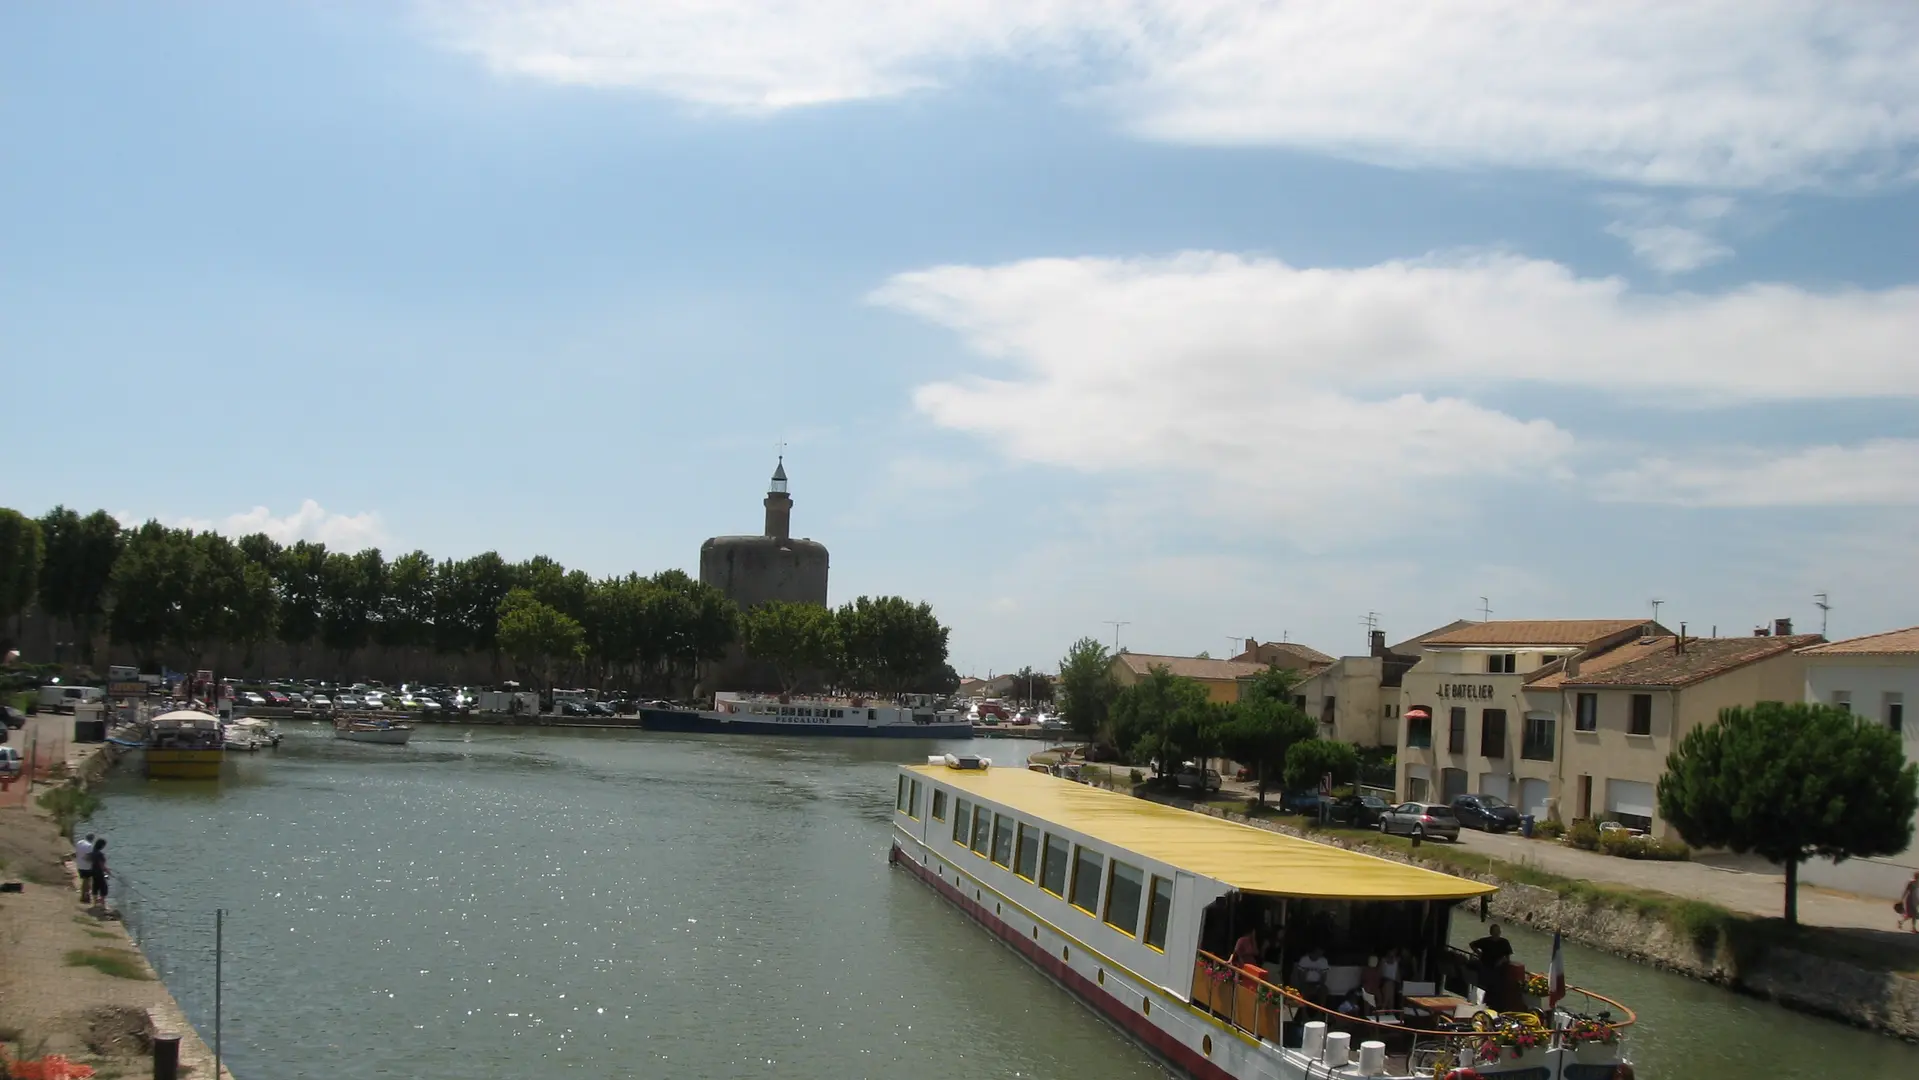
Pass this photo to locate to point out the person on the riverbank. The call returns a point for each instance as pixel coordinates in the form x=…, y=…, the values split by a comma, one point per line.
x=1909, y=902
x=1493, y=950
x=100, y=872
x=83, y=866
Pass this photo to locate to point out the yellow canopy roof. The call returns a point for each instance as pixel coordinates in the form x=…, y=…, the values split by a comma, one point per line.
x=1246, y=858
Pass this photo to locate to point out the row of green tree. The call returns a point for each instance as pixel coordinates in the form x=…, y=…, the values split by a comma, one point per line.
x=887, y=645
x=154, y=587
x=1165, y=720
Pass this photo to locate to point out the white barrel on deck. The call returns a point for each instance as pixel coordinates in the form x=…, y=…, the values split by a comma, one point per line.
x=1372, y=1057
x=1314, y=1039
x=1338, y=1045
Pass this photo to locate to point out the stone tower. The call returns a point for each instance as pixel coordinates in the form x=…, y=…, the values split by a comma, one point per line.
x=773, y=566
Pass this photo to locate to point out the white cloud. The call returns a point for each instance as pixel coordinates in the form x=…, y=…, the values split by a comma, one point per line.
x=1881, y=472
x=1731, y=93
x=312, y=522
x=1672, y=236
x=1325, y=398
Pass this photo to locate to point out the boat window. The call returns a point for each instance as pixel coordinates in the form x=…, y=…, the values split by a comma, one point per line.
x=872, y=714
x=1159, y=912
x=1123, y=887
x=1003, y=840
x=1026, y=861
x=982, y=828
x=962, y=820
x=939, y=805
x=1053, y=871
x=913, y=801
x=899, y=802
x=1086, y=867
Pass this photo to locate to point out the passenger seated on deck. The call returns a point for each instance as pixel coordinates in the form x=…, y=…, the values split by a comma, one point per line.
x=1352, y=1004
x=1309, y=975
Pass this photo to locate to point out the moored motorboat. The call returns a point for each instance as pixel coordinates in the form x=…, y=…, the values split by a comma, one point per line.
x=913, y=716
x=184, y=745
x=250, y=734
x=1135, y=906
x=386, y=732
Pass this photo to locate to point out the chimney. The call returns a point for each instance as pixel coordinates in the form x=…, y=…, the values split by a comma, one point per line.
x=1570, y=665
x=1782, y=627
x=1252, y=644
x=1377, y=640
x=1679, y=643
x=1760, y=631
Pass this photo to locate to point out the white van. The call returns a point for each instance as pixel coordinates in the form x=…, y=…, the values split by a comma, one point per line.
x=60, y=698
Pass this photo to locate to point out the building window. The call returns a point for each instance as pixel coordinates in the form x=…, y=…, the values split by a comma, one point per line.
x=1124, y=885
x=939, y=805
x=1842, y=699
x=899, y=802
x=1492, y=733
x=1026, y=859
x=1003, y=840
x=1586, y=712
x=1159, y=913
x=913, y=801
x=1086, y=867
x=982, y=829
x=1502, y=663
x=1327, y=712
x=1540, y=738
x=1641, y=722
x=1052, y=875
x=962, y=820
x=1895, y=711
x=1419, y=730
x=1456, y=731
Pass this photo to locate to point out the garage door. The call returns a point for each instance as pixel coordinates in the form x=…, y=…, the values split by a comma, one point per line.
x=1496, y=784
x=1452, y=784
x=1532, y=797
x=1632, y=798
x=1419, y=782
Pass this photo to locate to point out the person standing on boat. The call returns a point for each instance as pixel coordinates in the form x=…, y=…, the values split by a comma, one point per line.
x=1389, y=979
x=1310, y=974
x=83, y=865
x=1493, y=951
x=1246, y=949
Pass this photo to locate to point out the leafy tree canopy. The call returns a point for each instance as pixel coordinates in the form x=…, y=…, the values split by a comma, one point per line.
x=21, y=554
x=890, y=642
x=800, y=640
x=1790, y=782
x=1311, y=759
x=1262, y=730
x=1086, y=689
x=537, y=635
x=1165, y=718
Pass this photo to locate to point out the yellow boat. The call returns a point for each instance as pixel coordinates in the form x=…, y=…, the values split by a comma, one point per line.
x=184, y=745
x=1134, y=906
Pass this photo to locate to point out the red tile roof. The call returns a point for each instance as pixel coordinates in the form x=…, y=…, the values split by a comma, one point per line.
x=1189, y=667
x=1891, y=643
x=1521, y=632
x=1658, y=663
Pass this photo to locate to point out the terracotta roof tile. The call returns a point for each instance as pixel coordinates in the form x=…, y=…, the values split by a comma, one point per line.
x=1190, y=667
x=1536, y=632
x=1304, y=652
x=1891, y=643
x=1655, y=663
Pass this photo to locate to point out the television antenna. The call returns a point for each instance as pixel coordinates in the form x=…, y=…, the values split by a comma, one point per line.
x=1116, y=624
x=1823, y=603
x=1371, y=621
x=1238, y=643
x=1656, y=602
x=1485, y=610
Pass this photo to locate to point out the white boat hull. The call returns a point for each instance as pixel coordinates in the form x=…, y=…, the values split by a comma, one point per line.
x=396, y=736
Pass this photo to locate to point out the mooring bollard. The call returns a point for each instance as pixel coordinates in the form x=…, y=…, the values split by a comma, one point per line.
x=166, y=1056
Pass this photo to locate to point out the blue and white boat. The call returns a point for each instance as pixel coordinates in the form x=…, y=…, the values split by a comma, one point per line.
x=912, y=716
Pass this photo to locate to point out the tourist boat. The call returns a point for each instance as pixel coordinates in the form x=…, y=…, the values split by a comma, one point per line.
x=913, y=716
x=388, y=732
x=184, y=745
x=1132, y=905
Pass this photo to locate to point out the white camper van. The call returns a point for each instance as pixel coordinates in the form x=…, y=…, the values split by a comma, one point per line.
x=60, y=698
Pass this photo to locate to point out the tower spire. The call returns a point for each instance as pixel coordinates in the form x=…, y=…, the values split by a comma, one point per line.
x=779, y=504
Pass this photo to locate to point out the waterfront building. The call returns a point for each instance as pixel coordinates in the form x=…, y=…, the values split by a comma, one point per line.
x=754, y=570
x=1877, y=677
x=1608, y=716
x=1466, y=728
x=1219, y=677
x=1356, y=699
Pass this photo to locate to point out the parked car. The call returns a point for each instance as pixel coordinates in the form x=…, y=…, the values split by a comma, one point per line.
x=10, y=761
x=346, y=701
x=1190, y=775
x=1360, y=811
x=13, y=717
x=1301, y=802
x=248, y=697
x=571, y=708
x=1424, y=820
x=1488, y=812
x=275, y=697
x=319, y=701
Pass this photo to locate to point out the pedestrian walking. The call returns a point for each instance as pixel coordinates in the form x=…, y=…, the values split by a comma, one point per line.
x=100, y=872
x=83, y=866
x=1909, y=904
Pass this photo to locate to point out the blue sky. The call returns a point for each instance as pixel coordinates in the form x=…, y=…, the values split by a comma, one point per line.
x=1220, y=318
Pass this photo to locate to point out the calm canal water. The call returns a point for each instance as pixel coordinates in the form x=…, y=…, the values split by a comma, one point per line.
x=494, y=903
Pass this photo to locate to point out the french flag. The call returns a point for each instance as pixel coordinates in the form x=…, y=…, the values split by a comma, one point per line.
x=1555, y=975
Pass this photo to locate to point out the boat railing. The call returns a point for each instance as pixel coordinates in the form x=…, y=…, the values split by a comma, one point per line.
x=1263, y=1009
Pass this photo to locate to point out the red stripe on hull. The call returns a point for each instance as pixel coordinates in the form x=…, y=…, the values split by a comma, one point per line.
x=1126, y=1016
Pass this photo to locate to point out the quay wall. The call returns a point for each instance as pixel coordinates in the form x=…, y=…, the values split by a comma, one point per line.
x=1727, y=955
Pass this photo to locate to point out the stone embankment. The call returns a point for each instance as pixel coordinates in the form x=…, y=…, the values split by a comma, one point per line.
x=1837, y=974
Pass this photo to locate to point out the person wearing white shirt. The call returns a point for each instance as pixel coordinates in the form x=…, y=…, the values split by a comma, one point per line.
x=1310, y=971
x=83, y=865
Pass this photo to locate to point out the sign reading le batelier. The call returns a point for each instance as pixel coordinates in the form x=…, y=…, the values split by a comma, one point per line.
x=1467, y=691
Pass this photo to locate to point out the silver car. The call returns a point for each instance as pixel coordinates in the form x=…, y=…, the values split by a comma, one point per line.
x=1422, y=820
